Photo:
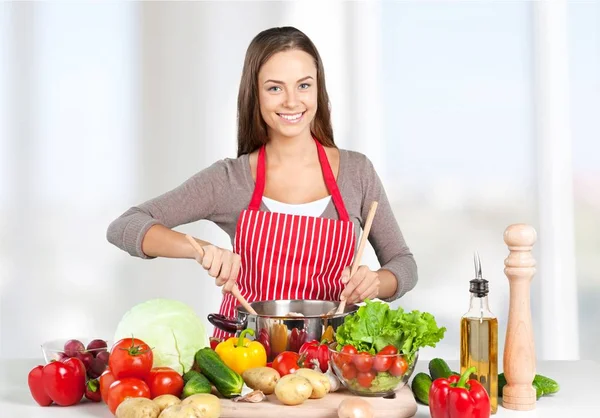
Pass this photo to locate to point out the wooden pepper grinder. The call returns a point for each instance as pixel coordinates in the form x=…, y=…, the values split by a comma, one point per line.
x=519, y=351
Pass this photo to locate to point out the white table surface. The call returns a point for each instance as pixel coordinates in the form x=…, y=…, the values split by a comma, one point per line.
x=578, y=396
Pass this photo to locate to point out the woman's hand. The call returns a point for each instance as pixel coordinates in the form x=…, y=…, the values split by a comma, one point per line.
x=363, y=285
x=221, y=264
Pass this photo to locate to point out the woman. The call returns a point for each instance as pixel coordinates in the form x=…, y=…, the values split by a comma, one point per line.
x=292, y=202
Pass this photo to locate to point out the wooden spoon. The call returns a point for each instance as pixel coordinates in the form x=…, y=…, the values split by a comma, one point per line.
x=234, y=290
x=361, y=247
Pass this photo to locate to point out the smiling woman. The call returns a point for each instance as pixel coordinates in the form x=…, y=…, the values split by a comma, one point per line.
x=287, y=159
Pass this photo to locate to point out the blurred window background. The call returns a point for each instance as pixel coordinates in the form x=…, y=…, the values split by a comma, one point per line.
x=106, y=105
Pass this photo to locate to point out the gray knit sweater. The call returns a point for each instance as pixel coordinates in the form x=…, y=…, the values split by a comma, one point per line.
x=222, y=191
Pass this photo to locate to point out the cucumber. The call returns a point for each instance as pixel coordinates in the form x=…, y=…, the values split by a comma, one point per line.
x=227, y=381
x=187, y=376
x=420, y=387
x=539, y=392
x=548, y=386
x=196, y=384
x=439, y=368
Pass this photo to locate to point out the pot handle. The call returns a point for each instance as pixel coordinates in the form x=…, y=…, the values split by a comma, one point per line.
x=226, y=324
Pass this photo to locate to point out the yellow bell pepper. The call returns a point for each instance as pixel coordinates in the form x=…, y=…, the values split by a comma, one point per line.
x=328, y=334
x=240, y=353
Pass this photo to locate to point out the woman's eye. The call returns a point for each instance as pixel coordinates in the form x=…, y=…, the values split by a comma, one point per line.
x=275, y=88
x=304, y=86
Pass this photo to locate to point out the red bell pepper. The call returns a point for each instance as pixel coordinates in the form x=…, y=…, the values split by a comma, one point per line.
x=214, y=342
x=297, y=338
x=36, y=387
x=92, y=390
x=61, y=382
x=263, y=338
x=459, y=397
x=315, y=353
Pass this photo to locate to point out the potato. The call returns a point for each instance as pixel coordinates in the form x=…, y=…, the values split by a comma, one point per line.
x=292, y=389
x=165, y=401
x=137, y=408
x=319, y=382
x=182, y=411
x=261, y=378
x=207, y=403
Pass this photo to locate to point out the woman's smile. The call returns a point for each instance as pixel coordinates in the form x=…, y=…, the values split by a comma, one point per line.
x=291, y=118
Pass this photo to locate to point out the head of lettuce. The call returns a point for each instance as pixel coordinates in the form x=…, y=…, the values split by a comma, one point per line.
x=170, y=327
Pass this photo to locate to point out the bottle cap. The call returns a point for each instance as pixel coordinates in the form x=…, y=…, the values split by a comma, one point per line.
x=479, y=286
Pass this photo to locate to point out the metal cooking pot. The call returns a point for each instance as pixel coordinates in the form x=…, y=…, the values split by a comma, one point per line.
x=280, y=332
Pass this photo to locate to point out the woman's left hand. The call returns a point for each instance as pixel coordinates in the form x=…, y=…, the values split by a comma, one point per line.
x=363, y=285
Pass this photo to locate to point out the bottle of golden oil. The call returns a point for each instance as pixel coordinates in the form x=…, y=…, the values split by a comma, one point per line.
x=479, y=338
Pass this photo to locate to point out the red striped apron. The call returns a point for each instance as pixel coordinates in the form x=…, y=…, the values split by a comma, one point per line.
x=290, y=256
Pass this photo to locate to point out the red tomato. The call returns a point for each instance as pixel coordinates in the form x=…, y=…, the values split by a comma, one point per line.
x=130, y=357
x=106, y=379
x=286, y=362
x=382, y=362
x=349, y=349
x=365, y=378
x=388, y=350
x=164, y=381
x=363, y=361
x=347, y=352
x=398, y=367
x=128, y=387
x=348, y=371
x=383, y=359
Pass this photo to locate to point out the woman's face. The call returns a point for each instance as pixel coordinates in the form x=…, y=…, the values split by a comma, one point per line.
x=287, y=85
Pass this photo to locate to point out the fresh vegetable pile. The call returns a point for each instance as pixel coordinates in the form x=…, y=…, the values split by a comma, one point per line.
x=377, y=345
x=175, y=371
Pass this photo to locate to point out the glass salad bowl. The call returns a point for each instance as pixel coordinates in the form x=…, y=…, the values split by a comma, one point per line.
x=366, y=374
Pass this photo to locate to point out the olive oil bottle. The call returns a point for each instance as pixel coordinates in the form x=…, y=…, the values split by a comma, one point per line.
x=479, y=338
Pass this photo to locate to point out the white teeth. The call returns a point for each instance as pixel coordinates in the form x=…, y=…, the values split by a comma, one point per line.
x=291, y=117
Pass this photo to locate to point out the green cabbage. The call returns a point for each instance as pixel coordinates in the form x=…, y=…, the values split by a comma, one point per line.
x=171, y=328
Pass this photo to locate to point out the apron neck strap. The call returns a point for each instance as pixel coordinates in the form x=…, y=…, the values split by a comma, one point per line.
x=330, y=182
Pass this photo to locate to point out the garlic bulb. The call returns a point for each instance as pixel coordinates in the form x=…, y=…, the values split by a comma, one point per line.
x=333, y=379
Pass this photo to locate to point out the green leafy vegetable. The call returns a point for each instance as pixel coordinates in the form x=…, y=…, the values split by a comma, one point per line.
x=375, y=325
x=170, y=327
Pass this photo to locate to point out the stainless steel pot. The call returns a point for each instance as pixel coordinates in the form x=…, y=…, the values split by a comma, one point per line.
x=277, y=330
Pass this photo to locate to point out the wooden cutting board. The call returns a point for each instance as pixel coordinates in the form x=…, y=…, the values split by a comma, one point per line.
x=402, y=406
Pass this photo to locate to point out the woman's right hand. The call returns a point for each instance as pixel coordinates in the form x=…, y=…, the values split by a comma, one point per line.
x=222, y=264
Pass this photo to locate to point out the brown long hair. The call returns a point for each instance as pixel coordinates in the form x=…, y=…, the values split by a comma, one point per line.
x=252, y=130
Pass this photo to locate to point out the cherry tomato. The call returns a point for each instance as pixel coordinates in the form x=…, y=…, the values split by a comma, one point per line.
x=382, y=362
x=106, y=379
x=128, y=387
x=286, y=362
x=349, y=349
x=388, y=350
x=365, y=378
x=398, y=367
x=164, y=381
x=348, y=371
x=130, y=357
x=363, y=361
x=346, y=353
